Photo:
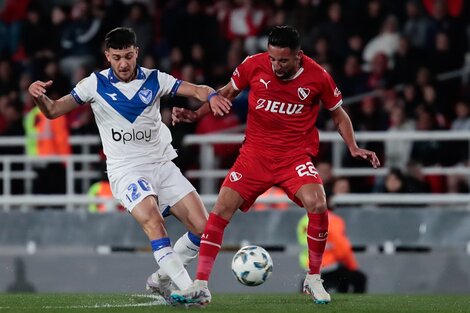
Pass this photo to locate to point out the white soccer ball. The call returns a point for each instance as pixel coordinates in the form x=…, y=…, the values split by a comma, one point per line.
x=252, y=265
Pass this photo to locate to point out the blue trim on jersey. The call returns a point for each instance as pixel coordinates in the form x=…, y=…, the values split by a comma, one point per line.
x=194, y=239
x=74, y=94
x=175, y=87
x=160, y=243
x=130, y=109
x=112, y=78
x=166, y=212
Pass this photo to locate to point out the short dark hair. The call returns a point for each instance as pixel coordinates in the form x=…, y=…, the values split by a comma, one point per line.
x=120, y=38
x=284, y=37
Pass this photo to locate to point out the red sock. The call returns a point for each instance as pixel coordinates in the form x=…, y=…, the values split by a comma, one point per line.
x=211, y=241
x=317, y=233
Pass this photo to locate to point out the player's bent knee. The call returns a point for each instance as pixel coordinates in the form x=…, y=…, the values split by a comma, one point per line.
x=315, y=204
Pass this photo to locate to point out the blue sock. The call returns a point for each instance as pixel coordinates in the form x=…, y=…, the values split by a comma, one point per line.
x=160, y=243
x=196, y=240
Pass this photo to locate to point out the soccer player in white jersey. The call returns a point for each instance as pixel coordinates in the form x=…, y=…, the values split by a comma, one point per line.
x=126, y=103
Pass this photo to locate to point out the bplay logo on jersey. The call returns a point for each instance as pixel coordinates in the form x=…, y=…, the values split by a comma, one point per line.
x=133, y=135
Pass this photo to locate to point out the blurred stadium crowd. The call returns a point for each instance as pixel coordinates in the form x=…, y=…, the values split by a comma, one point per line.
x=397, y=48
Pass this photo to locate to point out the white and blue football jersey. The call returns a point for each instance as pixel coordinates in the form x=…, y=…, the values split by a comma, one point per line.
x=128, y=116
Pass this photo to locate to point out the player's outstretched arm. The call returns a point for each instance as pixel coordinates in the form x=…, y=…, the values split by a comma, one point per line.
x=217, y=108
x=51, y=108
x=345, y=129
x=219, y=104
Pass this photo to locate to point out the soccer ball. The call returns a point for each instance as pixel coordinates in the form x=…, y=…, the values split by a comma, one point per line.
x=252, y=265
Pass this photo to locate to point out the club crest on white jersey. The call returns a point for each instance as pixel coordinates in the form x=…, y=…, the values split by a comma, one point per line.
x=145, y=95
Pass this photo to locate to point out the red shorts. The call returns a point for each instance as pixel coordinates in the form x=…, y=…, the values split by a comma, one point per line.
x=253, y=174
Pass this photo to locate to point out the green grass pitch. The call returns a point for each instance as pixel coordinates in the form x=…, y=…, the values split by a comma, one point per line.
x=281, y=303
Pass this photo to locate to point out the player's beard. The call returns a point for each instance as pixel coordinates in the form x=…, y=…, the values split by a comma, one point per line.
x=285, y=75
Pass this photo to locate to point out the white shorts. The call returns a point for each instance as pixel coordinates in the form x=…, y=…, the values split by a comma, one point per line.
x=163, y=180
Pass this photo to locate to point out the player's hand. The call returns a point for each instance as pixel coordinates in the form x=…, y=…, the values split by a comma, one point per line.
x=179, y=115
x=38, y=88
x=220, y=105
x=368, y=155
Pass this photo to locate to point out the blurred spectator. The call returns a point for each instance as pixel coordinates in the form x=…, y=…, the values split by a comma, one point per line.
x=380, y=76
x=246, y=22
x=410, y=99
x=139, y=20
x=11, y=125
x=323, y=56
x=443, y=59
x=457, y=184
x=59, y=20
x=80, y=39
x=8, y=79
x=45, y=137
x=325, y=169
x=462, y=113
x=355, y=46
x=415, y=180
x=34, y=28
x=395, y=182
x=199, y=63
x=12, y=16
x=460, y=151
x=427, y=152
x=441, y=21
x=405, y=62
x=303, y=17
x=340, y=186
x=353, y=80
x=372, y=19
x=333, y=29
x=273, y=193
x=371, y=115
x=386, y=42
x=102, y=190
x=417, y=25
x=11, y=122
x=397, y=152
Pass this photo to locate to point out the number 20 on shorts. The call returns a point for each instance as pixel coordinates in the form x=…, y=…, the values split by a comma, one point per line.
x=134, y=189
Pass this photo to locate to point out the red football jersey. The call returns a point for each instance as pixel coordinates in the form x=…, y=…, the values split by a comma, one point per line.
x=282, y=113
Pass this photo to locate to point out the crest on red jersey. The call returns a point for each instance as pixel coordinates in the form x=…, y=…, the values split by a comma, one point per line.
x=337, y=93
x=235, y=176
x=303, y=93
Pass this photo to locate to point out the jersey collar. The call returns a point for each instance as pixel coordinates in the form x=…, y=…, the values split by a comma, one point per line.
x=113, y=79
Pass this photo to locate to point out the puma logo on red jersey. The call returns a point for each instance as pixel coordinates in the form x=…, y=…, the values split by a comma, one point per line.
x=265, y=83
x=279, y=107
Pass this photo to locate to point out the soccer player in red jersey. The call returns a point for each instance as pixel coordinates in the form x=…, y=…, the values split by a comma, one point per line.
x=286, y=89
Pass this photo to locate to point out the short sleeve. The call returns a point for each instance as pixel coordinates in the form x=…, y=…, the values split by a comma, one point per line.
x=168, y=84
x=240, y=76
x=331, y=96
x=83, y=91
